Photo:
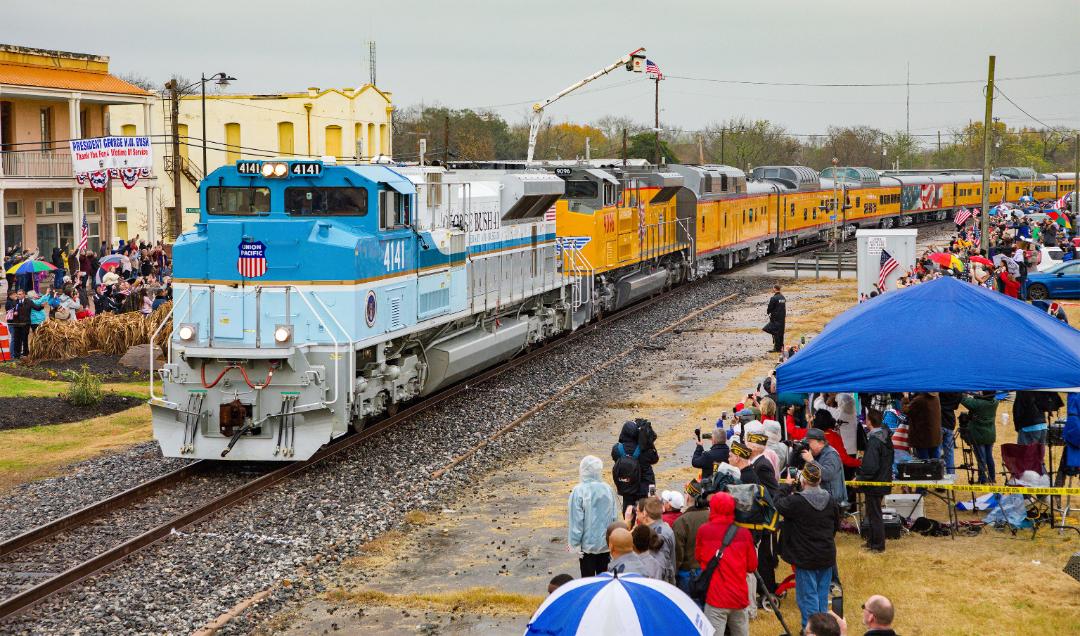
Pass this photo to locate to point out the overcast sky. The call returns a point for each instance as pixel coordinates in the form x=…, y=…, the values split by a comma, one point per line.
x=507, y=54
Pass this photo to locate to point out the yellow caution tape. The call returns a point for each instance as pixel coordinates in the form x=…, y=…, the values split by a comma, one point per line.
x=1005, y=490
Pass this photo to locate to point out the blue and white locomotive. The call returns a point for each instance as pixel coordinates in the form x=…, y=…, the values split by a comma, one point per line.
x=312, y=297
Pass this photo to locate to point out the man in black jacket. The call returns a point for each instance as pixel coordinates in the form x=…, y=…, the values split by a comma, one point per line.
x=777, y=311
x=717, y=453
x=19, y=307
x=807, y=540
x=876, y=466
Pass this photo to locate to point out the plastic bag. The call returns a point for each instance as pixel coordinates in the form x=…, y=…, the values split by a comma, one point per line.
x=1010, y=510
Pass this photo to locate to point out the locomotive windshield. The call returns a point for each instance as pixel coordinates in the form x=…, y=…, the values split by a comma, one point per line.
x=581, y=189
x=237, y=200
x=311, y=201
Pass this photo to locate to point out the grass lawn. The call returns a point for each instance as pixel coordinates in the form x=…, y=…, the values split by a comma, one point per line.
x=40, y=451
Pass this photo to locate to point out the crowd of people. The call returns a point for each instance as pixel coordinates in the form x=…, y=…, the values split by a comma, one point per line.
x=796, y=450
x=1016, y=237
x=135, y=278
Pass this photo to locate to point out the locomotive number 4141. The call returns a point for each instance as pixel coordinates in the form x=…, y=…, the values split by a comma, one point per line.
x=394, y=256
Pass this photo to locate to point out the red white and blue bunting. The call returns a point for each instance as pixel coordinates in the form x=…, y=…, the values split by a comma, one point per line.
x=99, y=179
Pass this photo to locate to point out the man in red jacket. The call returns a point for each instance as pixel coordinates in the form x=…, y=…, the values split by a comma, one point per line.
x=728, y=597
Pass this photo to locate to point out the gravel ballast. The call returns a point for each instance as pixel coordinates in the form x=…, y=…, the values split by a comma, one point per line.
x=284, y=538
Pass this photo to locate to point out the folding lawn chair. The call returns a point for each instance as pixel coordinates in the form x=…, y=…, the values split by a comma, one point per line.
x=1019, y=458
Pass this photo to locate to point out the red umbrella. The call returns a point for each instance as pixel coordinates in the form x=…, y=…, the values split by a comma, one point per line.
x=982, y=260
x=941, y=258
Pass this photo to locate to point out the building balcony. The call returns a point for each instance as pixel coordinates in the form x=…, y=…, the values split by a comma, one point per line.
x=36, y=164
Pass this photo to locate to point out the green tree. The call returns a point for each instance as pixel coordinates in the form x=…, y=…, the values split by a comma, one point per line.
x=643, y=146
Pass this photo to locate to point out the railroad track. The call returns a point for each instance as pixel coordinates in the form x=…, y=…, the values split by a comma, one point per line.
x=57, y=574
x=95, y=516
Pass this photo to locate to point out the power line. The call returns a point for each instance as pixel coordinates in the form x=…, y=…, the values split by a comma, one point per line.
x=864, y=85
x=1033, y=117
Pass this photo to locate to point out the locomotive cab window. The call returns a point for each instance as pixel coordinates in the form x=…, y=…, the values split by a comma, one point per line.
x=311, y=201
x=237, y=200
x=396, y=209
x=581, y=189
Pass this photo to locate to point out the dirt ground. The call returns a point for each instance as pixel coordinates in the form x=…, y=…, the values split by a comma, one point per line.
x=481, y=565
x=509, y=533
x=26, y=412
x=106, y=366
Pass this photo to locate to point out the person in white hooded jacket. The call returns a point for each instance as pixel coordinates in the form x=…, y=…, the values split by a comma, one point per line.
x=592, y=507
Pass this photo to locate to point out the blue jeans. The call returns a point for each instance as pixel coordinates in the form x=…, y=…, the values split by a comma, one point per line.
x=948, y=450
x=1031, y=437
x=928, y=453
x=984, y=456
x=812, y=591
x=59, y=274
x=899, y=457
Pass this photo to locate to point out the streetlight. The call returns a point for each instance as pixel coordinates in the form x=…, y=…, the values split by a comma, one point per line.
x=222, y=79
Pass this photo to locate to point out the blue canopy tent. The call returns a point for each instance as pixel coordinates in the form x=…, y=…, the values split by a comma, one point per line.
x=945, y=335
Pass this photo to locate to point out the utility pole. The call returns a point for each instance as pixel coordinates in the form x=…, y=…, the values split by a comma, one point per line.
x=723, y=133
x=988, y=121
x=174, y=109
x=908, y=129
x=700, y=150
x=588, y=151
x=939, y=141
x=446, y=140
x=623, y=147
x=656, y=139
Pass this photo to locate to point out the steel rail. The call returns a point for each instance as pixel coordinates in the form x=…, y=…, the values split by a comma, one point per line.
x=38, y=593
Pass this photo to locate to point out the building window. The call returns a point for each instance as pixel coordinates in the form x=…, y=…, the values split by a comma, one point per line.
x=384, y=139
x=45, y=121
x=84, y=124
x=13, y=235
x=45, y=207
x=333, y=141
x=185, y=141
x=127, y=130
x=232, y=143
x=14, y=208
x=90, y=206
x=360, y=149
x=285, y=138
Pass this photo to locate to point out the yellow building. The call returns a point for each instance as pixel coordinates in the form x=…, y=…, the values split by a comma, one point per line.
x=46, y=99
x=347, y=123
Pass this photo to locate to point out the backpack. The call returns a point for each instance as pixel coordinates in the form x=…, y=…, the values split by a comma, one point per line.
x=754, y=508
x=699, y=585
x=626, y=473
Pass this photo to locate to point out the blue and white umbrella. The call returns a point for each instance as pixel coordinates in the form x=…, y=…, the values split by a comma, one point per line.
x=627, y=605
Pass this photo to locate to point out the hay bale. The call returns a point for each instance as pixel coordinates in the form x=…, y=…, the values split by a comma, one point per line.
x=58, y=340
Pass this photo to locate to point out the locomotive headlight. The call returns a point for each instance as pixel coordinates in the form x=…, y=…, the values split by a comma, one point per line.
x=282, y=333
x=280, y=169
x=268, y=170
x=187, y=332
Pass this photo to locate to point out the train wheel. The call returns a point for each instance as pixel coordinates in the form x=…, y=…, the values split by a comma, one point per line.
x=359, y=424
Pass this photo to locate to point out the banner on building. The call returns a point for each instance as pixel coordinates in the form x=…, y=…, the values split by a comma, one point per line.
x=104, y=153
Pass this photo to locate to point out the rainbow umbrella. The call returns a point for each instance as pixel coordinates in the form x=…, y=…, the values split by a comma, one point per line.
x=31, y=266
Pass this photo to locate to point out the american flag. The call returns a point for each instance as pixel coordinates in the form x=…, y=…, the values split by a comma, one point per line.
x=962, y=215
x=84, y=235
x=1062, y=203
x=652, y=69
x=888, y=264
x=975, y=235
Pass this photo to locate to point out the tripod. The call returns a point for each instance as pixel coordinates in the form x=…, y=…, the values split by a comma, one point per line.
x=772, y=603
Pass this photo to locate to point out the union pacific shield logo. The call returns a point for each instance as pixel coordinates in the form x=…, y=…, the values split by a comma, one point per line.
x=252, y=260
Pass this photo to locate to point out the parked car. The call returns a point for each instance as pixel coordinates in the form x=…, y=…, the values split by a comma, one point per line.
x=1060, y=281
x=1048, y=257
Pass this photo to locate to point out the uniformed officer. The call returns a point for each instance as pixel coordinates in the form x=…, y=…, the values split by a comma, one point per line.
x=777, y=312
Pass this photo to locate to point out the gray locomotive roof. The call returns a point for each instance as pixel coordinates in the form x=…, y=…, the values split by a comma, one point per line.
x=1016, y=172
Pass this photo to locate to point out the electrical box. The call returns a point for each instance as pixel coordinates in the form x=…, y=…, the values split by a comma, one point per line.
x=871, y=243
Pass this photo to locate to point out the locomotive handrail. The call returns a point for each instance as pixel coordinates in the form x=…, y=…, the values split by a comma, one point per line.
x=168, y=347
x=337, y=353
x=351, y=353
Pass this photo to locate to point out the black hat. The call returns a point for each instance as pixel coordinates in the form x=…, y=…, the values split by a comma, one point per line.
x=815, y=433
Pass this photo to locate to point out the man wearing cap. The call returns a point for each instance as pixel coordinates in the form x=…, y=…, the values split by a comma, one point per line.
x=673, y=504
x=764, y=473
x=807, y=539
x=685, y=529
x=777, y=312
x=832, y=468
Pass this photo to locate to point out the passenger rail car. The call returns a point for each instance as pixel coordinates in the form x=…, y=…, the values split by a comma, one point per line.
x=313, y=297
